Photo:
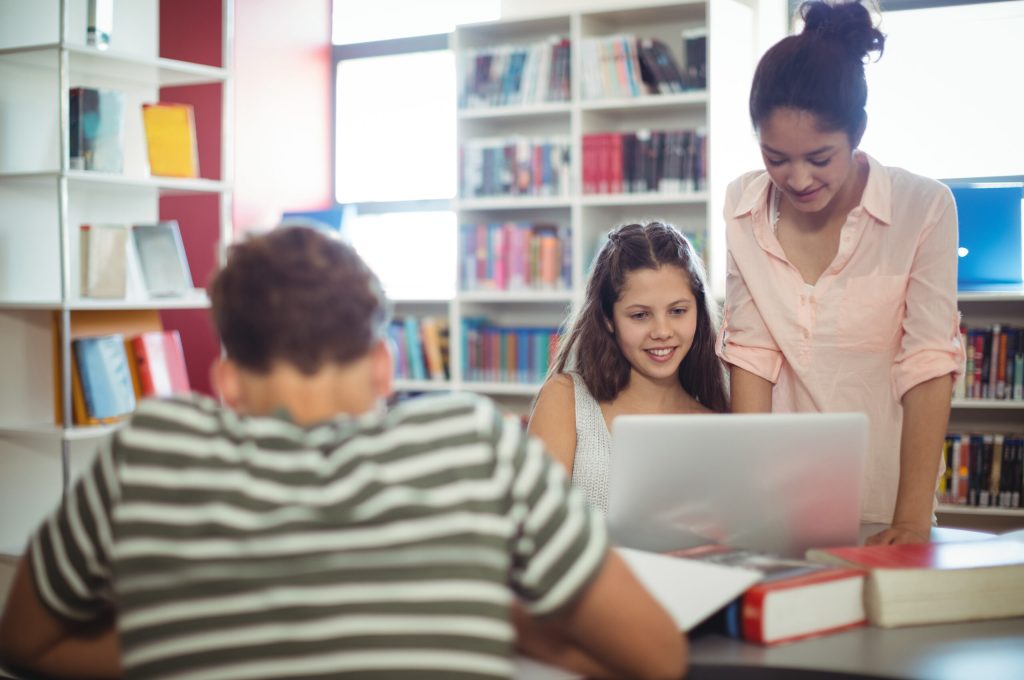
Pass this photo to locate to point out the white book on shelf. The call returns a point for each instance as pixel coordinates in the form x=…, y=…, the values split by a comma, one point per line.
x=104, y=251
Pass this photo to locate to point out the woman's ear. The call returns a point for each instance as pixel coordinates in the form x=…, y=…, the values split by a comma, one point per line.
x=225, y=381
x=382, y=369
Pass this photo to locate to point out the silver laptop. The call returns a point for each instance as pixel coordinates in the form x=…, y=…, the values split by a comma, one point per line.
x=780, y=483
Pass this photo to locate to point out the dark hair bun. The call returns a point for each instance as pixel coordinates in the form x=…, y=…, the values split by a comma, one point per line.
x=846, y=23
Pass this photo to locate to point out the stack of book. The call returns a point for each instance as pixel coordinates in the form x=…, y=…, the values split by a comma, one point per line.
x=514, y=166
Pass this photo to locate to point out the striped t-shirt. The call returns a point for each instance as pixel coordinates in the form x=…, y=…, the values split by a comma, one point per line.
x=377, y=546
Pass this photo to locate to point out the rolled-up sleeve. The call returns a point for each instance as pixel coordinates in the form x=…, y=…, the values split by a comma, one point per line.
x=744, y=339
x=931, y=345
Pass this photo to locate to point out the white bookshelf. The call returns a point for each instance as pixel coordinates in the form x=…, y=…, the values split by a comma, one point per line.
x=590, y=216
x=43, y=54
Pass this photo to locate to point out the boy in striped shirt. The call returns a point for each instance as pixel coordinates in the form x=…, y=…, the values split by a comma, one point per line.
x=303, y=532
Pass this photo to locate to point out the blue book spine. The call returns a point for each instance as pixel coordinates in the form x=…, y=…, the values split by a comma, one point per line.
x=417, y=367
x=105, y=376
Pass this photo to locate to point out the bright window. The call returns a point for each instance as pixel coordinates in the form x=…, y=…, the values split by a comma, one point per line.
x=395, y=151
x=396, y=128
x=945, y=100
x=412, y=253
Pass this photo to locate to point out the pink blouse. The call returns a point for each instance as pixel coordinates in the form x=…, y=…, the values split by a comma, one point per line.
x=881, y=319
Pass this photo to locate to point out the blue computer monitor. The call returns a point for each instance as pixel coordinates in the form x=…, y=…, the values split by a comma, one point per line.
x=990, y=233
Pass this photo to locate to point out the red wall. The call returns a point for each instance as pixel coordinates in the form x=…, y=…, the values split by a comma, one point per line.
x=280, y=133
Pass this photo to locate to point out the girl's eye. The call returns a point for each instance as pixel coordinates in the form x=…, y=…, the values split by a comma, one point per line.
x=638, y=316
x=775, y=162
x=820, y=163
x=679, y=311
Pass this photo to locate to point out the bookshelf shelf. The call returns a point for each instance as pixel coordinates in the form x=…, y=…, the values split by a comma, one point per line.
x=947, y=509
x=513, y=203
x=643, y=199
x=679, y=100
x=113, y=65
x=197, y=300
x=556, y=109
x=167, y=185
x=989, y=404
x=422, y=386
x=517, y=296
x=502, y=388
x=87, y=178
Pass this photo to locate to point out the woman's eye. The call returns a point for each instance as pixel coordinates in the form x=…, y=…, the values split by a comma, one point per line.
x=820, y=163
x=775, y=162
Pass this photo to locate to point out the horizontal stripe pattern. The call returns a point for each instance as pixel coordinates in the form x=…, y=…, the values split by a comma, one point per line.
x=378, y=545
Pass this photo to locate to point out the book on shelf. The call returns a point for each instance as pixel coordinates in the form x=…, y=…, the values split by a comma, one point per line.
x=658, y=67
x=95, y=129
x=514, y=256
x=514, y=166
x=161, y=256
x=99, y=23
x=995, y=363
x=644, y=161
x=513, y=354
x=104, y=251
x=104, y=376
x=159, y=362
x=514, y=75
x=170, y=140
x=793, y=600
x=695, y=58
x=983, y=470
x=936, y=582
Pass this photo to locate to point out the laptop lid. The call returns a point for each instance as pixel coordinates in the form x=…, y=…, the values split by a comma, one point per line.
x=780, y=483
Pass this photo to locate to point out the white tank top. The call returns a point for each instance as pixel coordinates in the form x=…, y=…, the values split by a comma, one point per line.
x=593, y=448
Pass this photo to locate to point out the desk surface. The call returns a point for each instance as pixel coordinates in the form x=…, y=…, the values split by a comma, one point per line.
x=993, y=650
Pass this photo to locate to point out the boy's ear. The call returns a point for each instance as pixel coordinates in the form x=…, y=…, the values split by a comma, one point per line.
x=226, y=382
x=382, y=368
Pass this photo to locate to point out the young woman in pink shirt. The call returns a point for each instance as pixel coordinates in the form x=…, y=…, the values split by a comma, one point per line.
x=841, y=281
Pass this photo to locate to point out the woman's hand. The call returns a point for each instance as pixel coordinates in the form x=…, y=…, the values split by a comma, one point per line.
x=901, y=533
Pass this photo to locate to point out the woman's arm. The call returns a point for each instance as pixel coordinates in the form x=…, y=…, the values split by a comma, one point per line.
x=553, y=419
x=925, y=417
x=750, y=393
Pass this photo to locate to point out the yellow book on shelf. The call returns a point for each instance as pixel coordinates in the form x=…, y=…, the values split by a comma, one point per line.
x=171, y=140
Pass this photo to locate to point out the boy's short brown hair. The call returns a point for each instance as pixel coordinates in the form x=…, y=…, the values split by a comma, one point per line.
x=295, y=294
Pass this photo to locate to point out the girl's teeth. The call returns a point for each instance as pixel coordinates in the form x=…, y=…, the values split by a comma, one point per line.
x=660, y=352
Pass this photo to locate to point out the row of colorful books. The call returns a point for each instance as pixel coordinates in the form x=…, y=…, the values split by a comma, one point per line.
x=995, y=363
x=420, y=347
x=626, y=66
x=513, y=354
x=111, y=372
x=984, y=470
x=510, y=75
x=665, y=161
x=514, y=166
x=96, y=125
x=515, y=256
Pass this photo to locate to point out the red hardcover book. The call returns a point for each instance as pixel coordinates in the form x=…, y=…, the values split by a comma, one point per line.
x=161, y=363
x=794, y=600
x=937, y=582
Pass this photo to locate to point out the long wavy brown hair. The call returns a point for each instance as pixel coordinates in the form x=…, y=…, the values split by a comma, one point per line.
x=590, y=349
